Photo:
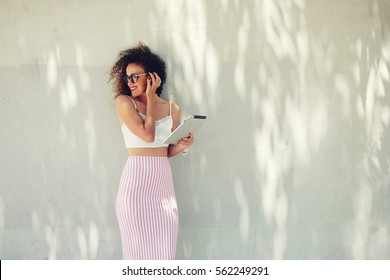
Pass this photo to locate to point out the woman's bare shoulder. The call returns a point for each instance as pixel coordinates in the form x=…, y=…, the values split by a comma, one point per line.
x=122, y=98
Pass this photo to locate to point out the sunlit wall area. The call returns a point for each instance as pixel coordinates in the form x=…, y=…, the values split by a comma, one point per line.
x=292, y=163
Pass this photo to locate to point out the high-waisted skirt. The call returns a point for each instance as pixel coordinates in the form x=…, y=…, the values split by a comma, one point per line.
x=146, y=209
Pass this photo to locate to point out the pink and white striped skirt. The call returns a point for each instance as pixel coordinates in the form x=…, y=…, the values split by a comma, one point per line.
x=146, y=209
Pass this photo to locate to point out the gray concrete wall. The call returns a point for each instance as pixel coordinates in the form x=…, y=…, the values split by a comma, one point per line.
x=293, y=163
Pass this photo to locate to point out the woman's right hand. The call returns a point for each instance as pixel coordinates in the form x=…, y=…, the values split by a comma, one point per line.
x=152, y=83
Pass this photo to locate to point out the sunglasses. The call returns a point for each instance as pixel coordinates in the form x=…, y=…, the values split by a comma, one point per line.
x=133, y=77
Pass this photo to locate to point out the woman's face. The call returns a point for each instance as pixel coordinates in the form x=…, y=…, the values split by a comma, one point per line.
x=133, y=72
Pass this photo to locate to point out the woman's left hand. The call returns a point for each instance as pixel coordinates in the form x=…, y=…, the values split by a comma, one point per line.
x=186, y=142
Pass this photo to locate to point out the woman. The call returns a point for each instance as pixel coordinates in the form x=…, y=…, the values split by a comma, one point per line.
x=146, y=205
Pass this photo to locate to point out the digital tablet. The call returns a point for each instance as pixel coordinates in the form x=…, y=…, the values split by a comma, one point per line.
x=189, y=125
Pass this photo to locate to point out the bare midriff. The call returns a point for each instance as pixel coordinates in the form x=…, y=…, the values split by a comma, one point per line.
x=152, y=152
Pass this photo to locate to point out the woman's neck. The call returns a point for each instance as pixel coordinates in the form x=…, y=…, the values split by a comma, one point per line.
x=142, y=98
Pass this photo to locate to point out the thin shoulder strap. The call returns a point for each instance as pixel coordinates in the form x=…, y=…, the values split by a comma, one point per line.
x=135, y=104
x=170, y=108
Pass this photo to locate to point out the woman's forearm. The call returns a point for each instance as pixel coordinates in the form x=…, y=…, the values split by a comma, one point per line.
x=173, y=150
x=150, y=124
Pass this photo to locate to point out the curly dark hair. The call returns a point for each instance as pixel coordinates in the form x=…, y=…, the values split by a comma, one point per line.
x=143, y=56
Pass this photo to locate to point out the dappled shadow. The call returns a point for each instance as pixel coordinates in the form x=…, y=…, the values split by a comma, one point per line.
x=60, y=189
x=293, y=162
x=288, y=165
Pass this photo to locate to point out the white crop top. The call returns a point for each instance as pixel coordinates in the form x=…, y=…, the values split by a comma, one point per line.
x=163, y=129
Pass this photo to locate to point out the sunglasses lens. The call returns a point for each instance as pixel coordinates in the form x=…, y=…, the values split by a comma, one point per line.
x=133, y=78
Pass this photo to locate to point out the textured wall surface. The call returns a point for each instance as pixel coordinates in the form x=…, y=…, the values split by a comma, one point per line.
x=293, y=163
